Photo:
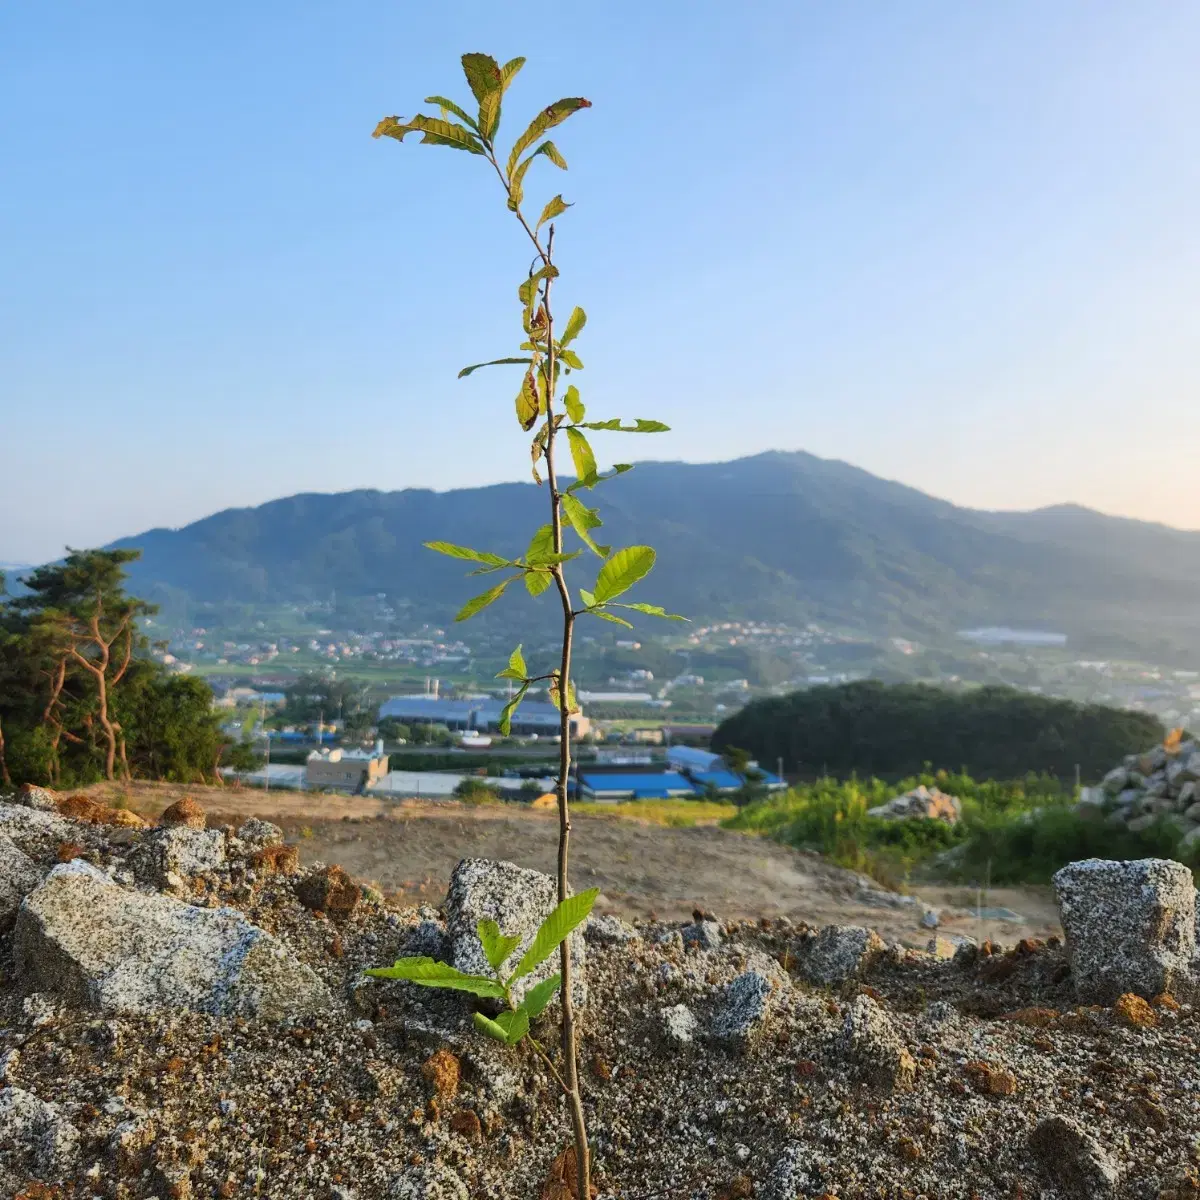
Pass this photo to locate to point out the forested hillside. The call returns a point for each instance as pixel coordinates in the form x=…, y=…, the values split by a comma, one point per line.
x=779, y=536
x=892, y=730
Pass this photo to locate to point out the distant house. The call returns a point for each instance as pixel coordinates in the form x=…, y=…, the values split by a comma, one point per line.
x=651, y=785
x=707, y=770
x=345, y=770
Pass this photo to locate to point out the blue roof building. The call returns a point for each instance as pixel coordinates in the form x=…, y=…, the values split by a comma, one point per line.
x=661, y=785
x=533, y=716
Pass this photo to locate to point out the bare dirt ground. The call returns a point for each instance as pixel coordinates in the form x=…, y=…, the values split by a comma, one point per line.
x=409, y=848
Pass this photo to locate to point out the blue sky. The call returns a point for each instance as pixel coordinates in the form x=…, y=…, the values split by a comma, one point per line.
x=955, y=244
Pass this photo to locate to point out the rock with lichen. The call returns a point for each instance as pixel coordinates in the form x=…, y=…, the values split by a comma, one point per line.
x=1130, y=926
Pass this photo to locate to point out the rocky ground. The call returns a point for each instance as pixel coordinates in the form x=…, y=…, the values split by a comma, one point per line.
x=183, y=1013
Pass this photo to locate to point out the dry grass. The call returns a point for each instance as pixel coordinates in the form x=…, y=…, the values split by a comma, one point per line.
x=675, y=814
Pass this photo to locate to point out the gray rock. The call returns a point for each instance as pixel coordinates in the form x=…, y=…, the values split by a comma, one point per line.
x=679, y=1025
x=83, y=938
x=36, y=1135
x=32, y=830
x=19, y=875
x=178, y=852
x=839, y=953
x=1116, y=780
x=518, y=900
x=257, y=833
x=788, y=1176
x=1130, y=926
x=1142, y=822
x=430, y=1182
x=35, y=797
x=1073, y=1159
x=743, y=1009
x=609, y=931
x=873, y=1048
x=1127, y=799
x=1188, y=796
x=705, y=934
x=921, y=802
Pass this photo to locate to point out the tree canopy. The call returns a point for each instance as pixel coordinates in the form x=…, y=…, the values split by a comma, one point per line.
x=883, y=729
x=81, y=698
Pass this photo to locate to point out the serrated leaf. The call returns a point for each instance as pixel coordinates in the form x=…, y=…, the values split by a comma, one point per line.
x=641, y=425
x=516, y=668
x=479, y=603
x=465, y=552
x=555, y=114
x=573, y=404
x=555, y=929
x=583, y=520
x=575, y=323
x=435, y=131
x=607, y=616
x=571, y=359
x=536, y=582
x=516, y=185
x=581, y=454
x=527, y=402
x=653, y=610
x=483, y=75
x=488, y=1026
x=496, y=947
x=506, y=713
x=429, y=973
x=555, y=207
x=622, y=571
x=541, y=545
x=515, y=1023
x=451, y=107
x=495, y=362
x=540, y=995
x=509, y=71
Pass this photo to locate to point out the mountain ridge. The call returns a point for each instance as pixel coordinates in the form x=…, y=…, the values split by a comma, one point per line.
x=779, y=536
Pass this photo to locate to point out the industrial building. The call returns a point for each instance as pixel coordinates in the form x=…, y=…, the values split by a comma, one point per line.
x=481, y=714
x=686, y=772
x=345, y=770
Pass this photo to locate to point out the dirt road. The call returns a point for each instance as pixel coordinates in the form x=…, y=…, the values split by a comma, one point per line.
x=410, y=848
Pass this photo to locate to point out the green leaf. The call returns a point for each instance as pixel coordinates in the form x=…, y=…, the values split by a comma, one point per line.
x=528, y=289
x=509, y=71
x=465, y=552
x=495, y=362
x=573, y=404
x=555, y=929
x=550, y=150
x=536, y=582
x=451, y=107
x=581, y=454
x=516, y=668
x=429, y=973
x=541, y=546
x=483, y=75
x=488, y=1026
x=496, y=947
x=622, y=571
x=515, y=1024
x=583, y=520
x=639, y=426
x=575, y=323
x=555, y=207
x=590, y=481
x=479, y=603
x=527, y=402
x=517, y=183
x=540, y=995
x=506, y=713
x=556, y=698
x=653, y=610
x=607, y=616
x=571, y=359
x=555, y=114
x=434, y=130
x=587, y=597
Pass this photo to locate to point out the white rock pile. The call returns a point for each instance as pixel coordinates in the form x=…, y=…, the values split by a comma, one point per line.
x=1162, y=783
x=921, y=802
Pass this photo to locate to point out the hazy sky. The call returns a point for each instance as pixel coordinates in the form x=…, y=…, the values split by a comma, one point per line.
x=957, y=244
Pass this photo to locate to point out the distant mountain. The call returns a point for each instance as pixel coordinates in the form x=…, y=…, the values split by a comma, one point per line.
x=778, y=536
